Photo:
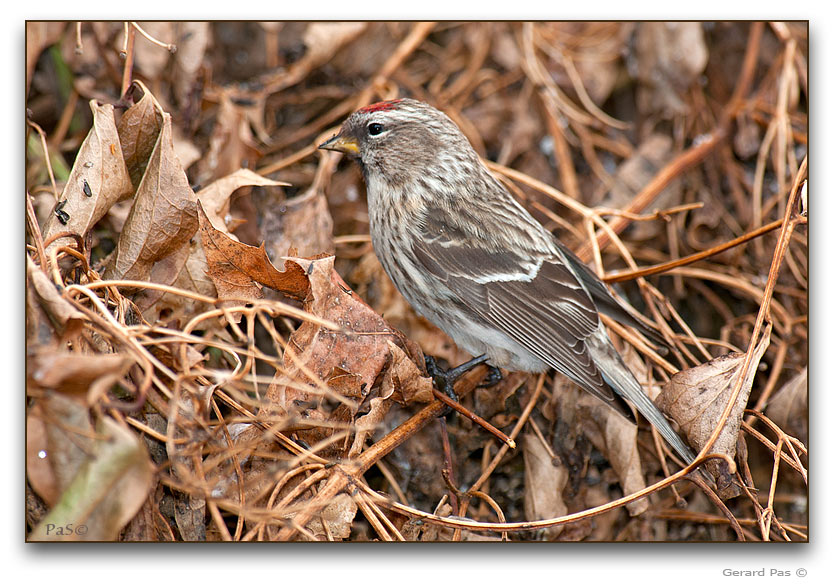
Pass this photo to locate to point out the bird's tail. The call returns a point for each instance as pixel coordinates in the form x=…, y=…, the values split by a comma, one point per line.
x=617, y=375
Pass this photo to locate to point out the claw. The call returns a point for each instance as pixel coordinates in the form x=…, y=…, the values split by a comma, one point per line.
x=444, y=379
x=493, y=377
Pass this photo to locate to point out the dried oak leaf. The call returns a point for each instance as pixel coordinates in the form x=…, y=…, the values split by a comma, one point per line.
x=98, y=179
x=239, y=270
x=697, y=397
x=161, y=222
x=194, y=274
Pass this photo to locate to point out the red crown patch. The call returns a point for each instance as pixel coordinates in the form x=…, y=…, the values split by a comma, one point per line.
x=380, y=106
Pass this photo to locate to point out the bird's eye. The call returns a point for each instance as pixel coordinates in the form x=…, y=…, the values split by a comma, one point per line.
x=374, y=129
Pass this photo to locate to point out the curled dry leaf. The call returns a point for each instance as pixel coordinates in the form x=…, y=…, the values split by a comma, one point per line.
x=215, y=198
x=544, y=479
x=696, y=398
x=74, y=373
x=139, y=129
x=405, y=381
x=161, y=222
x=98, y=179
x=239, y=270
x=45, y=300
x=195, y=273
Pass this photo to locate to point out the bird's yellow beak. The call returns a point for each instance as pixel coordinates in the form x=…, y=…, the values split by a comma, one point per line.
x=339, y=143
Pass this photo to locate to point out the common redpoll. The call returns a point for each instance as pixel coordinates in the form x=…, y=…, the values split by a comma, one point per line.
x=474, y=262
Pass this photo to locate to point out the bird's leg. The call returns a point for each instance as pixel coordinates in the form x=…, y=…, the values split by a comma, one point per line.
x=444, y=379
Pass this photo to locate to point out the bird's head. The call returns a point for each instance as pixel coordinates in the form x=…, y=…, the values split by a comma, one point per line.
x=401, y=139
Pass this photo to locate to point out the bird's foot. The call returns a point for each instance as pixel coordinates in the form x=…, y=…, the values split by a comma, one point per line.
x=444, y=379
x=493, y=377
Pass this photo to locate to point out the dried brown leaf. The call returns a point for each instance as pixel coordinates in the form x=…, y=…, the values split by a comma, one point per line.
x=231, y=145
x=108, y=488
x=162, y=220
x=193, y=275
x=139, y=129
x=324, y=39
x=696, y=398
x=635, y=172
x=544, y=479
x=616, y=438
x=239, y=270
x=190, y=516
x=75, y=373
x=669, y=57
x=39, y=35
x=580, y=413
x=150, y=58
x=61, y=315
x=360, y=353
x=366, y=424
x=303, y=223
x=338, y=515
x=788, y=408
x=39, y=469
x=58, y=440
x=98, y=179
x=215, y=197
x=403, y=381
x=192, y=40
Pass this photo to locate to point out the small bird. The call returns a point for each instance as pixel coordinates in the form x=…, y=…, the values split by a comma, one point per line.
x=468, y=257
